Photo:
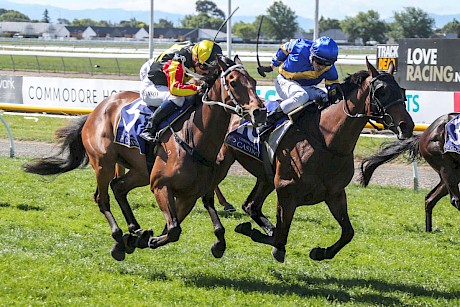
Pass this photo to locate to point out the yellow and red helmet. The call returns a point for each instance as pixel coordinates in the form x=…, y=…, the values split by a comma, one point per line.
x=206, y=51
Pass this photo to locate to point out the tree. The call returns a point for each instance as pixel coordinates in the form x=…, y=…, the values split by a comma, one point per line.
x=247, y=31
x=452, y=27
x=366, y=26
x=46, y=18
x=206, y=10
x=209, y=8
x=63, y=21
x=132, y=23
x=328, y=23
x=412, y=23
x=85, y=22
x=15, y=16
x=283, y=24
x=164, y=23
x=201, y=20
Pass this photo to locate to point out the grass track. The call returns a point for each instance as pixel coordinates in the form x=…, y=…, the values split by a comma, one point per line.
x=54, y=250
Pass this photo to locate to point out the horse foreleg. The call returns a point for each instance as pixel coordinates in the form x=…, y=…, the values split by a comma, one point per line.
x=219, y=246
x=337, y=204
x=223, y=201
x=253, y=205
x=167, y=204
x=121, y=186
x=450, y=179
x=285, y=210
x=101, y=197
x=431, y=199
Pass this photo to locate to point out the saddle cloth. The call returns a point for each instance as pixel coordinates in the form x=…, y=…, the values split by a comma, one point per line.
x=133, y=119
x=452, y=142
x=245, y=137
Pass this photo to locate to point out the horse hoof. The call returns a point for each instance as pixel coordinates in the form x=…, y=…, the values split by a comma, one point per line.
x=318, y=254
x=278, y=254
x=218, y=249
x=118, y=251
x=143, y=238
x=244, y=228
x=129, y=240
x=229, y=208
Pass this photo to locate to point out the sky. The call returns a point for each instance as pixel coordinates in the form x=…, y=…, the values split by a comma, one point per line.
x=335, y=9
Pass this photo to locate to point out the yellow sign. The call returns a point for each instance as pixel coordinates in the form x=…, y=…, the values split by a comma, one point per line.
x=384, y=63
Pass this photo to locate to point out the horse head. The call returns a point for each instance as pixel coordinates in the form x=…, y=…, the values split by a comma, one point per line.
x=387, y=101
x=235, y=91
x=378, y=97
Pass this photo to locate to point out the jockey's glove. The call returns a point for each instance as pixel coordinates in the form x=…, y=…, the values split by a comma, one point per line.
x=263, y=69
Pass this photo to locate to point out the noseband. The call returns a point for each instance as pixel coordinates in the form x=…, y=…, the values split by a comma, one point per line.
x=374, y=108
x=224, y=88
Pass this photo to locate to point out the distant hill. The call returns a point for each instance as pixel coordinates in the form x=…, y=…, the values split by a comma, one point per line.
x=35, y=11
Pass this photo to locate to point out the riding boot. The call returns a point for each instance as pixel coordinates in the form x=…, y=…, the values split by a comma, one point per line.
x=163, y=111
x=266, y=129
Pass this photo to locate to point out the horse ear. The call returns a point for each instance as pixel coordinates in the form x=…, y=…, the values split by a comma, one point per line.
x=221, y=60
x=391, y=68
x=372, y=71
x=237, y=60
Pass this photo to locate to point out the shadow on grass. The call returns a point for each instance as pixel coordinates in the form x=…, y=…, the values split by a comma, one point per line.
x=4, y=205
x=314, y=287
x=29, y=208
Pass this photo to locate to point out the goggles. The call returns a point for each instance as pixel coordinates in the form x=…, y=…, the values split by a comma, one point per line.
x=208, y=66
x=321, y=61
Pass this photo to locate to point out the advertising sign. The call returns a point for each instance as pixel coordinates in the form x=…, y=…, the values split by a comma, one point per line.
x=385, y=55
x=11, y=89
x=429, y=64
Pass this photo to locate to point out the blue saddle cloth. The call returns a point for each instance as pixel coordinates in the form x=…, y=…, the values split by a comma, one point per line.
x=452, y=142
x=245, y=137
x=133, y=119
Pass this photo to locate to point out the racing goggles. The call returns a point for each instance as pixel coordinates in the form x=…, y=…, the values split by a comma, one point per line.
x=208, y=66
x=322, y=61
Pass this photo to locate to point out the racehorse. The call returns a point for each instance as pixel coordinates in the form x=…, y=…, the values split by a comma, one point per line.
x=428, y=145
x=314, y=160
x=184, y=166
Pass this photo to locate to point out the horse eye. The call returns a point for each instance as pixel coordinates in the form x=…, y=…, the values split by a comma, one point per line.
x=233, y=83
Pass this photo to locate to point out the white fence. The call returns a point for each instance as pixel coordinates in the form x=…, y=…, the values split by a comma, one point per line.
x=125, y=53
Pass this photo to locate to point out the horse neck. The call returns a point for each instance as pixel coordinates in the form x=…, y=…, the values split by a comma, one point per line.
x=340, y=131
x=210, y=128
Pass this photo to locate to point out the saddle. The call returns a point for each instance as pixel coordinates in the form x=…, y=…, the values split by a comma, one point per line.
x=245, y=138
x=452, y=135
x=134, y=117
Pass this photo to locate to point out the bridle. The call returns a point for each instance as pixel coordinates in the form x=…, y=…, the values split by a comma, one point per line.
x=374, y=108
x=225, y=89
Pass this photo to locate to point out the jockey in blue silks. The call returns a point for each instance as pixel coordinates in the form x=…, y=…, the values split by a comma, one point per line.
x=302, y=64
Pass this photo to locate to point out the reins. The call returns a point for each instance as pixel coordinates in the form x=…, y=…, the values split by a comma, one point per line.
x=373, y=101
x=224, y=87
x=236, y=108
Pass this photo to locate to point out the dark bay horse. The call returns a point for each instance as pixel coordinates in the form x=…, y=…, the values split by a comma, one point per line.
x=314, y=160
x=184, y=167
x=428, y=145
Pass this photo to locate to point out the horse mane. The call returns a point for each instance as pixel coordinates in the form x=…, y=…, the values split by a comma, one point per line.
x=354, y=81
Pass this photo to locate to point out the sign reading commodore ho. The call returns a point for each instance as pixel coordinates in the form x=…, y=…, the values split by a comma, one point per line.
x=429, y=64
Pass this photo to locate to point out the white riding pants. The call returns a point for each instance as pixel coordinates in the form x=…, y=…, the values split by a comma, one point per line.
x=154, y=95
x=294, y=95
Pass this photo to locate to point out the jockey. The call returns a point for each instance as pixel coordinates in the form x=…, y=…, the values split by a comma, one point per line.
x=165, y=79
x=302, y=64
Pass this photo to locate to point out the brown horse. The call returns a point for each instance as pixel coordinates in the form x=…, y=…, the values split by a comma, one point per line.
x=314, y=160
x=184, y=167
x=430, y=146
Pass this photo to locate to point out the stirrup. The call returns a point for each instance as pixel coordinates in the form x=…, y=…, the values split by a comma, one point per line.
x=147, y=136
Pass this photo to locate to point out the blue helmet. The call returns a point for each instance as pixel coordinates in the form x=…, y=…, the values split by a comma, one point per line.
x=325, y=50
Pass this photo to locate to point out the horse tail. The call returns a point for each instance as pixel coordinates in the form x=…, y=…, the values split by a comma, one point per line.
x=388, y=151
x=71, y=153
